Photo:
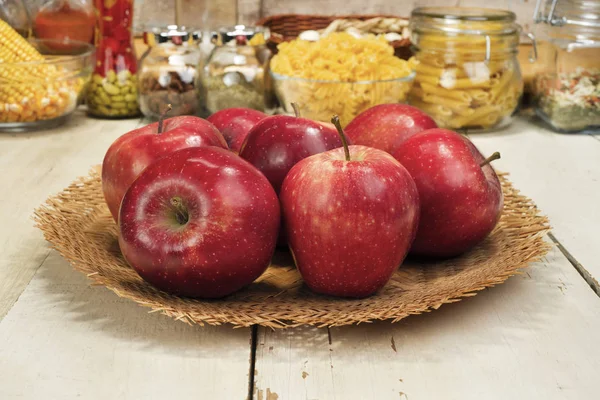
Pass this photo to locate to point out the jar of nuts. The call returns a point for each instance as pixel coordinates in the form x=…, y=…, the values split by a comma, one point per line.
x=113, y=90
x=234, y=74
x=168, y=72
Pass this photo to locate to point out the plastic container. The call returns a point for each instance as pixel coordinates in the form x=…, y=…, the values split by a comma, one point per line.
x=168, y=72
x=468, y=75
x=567, y=90
x=113, y=92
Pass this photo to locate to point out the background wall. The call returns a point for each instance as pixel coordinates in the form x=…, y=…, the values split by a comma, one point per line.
x=210, y=14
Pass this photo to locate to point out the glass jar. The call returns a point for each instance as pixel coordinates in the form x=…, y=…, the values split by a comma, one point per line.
x=467, y=72
x=168, y=72
x=113, y=90
x=234, y=73
x=567, y=90
x=66, y=20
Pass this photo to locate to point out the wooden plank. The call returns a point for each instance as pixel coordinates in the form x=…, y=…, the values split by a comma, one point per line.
x=65, y=340
x=209, y=14
x=249, y=11
x=534, y=337
x=561, y=173
x=34, y=166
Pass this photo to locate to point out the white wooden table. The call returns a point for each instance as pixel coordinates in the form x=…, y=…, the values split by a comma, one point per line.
x=535, y=337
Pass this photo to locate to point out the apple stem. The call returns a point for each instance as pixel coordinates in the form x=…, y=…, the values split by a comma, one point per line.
x=296, y=110
x=181, y=213
x=336, y=121
x=161, y=119
x=495, y=156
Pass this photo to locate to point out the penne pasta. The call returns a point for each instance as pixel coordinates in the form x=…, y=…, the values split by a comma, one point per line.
x=461, y=95
x=444, y=101
x=465, y=83
x=427, y=79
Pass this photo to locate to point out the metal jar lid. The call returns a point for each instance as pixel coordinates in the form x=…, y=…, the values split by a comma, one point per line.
x=241, y=34
x=583, y=13
x=174, y=34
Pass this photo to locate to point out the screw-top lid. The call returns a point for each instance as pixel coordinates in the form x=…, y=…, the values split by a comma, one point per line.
x=174, y=34
x=241, y=34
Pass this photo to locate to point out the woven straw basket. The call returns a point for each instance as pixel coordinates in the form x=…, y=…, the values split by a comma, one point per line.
x=286, y=27
x=78, y=225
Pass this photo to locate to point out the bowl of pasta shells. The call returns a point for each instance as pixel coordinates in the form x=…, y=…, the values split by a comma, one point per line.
x=339, y=74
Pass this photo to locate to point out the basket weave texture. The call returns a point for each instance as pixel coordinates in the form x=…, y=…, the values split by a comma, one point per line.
x=285, y=27
x=78, y=224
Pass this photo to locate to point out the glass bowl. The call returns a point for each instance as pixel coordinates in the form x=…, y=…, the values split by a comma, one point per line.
x=42, y=94
x=320, y=100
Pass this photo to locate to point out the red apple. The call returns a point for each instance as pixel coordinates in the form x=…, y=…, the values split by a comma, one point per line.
x=461, y=197
x=131, y=153
x=386, y=126
x=200, y=222
x=235, y=123
x=351, y=215
x=278, y=142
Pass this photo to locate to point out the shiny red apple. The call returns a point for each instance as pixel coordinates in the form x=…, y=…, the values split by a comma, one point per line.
x=132, y=152
x=278, y=142
x=386, y=126
x=235, y=123
x=350, y=219
x=200, y=222
x=461, y=197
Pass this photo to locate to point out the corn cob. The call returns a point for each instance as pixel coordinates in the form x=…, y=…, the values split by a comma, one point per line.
x=32, y=92
x=14, y=48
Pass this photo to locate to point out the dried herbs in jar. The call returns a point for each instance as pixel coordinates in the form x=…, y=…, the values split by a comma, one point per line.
x=234, y=75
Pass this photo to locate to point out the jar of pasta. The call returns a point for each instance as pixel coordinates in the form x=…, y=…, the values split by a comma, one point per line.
x=234, y=73
x=467, y=72
x=567, y=89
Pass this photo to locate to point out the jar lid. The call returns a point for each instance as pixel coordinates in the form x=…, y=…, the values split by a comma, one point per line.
x=585, y=13
x=464, y=20
x=241, y=34
x=174, y=34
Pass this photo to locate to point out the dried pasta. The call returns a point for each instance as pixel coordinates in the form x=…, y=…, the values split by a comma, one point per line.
x=340, y=74
x=478, y=94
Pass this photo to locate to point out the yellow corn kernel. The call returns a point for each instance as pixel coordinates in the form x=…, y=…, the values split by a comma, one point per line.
x=14, y=48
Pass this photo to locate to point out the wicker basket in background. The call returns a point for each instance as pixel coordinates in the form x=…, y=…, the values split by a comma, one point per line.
x=286, y=27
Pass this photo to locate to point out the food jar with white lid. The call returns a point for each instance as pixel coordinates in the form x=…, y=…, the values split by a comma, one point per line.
x=467, y=72
x=567, y=91
x=168, y=72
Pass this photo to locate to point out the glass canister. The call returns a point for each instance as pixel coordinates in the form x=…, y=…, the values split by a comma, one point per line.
x=568, y=88
x=66, y=19
x=467, y=73
x=113, y=90
x=167, y=72
x=234, y=73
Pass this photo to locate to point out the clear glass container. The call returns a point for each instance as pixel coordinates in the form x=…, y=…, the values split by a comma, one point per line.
x=467, y=73
x=66, y=19
x=168, y=73
x=113, y=90
x=567, y=89
x=234, y=75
